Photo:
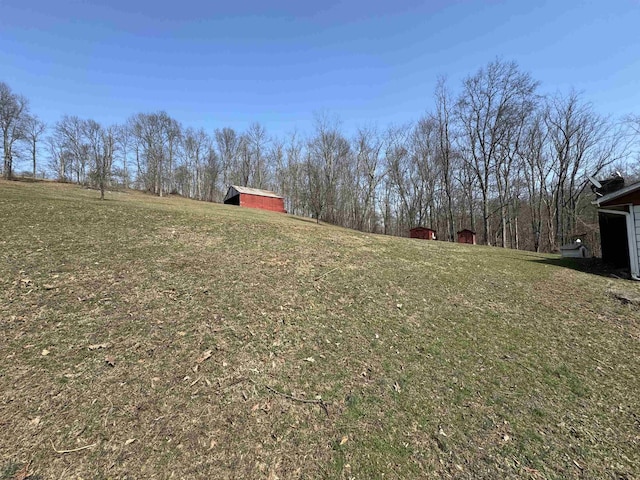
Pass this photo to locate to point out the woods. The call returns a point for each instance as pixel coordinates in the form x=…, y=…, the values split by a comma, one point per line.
x=494, y=155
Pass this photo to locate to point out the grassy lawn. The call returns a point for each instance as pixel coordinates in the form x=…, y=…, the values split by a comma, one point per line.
x=167, y=338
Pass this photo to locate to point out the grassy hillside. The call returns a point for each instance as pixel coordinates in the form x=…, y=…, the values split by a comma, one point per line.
x=176, y=339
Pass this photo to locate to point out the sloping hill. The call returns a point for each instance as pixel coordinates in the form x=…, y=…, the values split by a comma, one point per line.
x=177, y=339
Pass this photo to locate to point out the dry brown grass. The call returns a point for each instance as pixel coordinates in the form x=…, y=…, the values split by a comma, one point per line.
x=169, y=337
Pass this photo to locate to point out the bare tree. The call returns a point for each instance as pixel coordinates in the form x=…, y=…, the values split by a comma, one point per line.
x=491, y=102
x=13, y=113
x=368, y=147
x=328, y=150
x=101, y=144
x=157, y=138
x=581, y=142
x=257, y=143
x=227, y=144
x=34, y=128
x=536, y=171
x=445, y=155
x=69, y=137
x=124, y=141
x=316, y=186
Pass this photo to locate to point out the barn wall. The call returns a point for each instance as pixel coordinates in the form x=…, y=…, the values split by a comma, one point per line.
x=422, y=233
x=263, y=203
x=466, y=237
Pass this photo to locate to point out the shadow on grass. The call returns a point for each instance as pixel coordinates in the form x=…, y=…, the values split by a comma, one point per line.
x=305, y=219
x=594, y=266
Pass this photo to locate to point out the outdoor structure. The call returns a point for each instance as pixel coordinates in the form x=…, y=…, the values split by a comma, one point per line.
x=254, y=198
x=467, y=236
x=619, y=218
x=423, y=233
x=575, y=250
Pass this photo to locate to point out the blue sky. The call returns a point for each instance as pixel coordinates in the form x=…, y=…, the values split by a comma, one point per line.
x=215, y=64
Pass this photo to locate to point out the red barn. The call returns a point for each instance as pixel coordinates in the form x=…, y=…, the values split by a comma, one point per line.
x=423, y=233
x=254, y=198
x=467, y=236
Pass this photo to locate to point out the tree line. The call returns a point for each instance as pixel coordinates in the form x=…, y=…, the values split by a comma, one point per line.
x=496, y=156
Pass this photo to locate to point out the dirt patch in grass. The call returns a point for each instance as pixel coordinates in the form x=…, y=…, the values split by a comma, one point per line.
x=159, y=338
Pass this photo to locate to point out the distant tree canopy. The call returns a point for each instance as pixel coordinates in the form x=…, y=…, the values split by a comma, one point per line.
x=498, y=157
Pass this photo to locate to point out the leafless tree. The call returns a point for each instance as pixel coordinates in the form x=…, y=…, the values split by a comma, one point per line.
x=227, y=145
x=328, y=150
x=581, y=142
x=157, y=137
x=445, y=154
x=13, y=114
x=257, y=144
x=490, y=106
x=34, y=128
x=101, y=143
x=68, y=134
x=536, y=170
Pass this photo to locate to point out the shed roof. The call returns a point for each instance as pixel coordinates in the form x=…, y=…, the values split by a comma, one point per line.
x=251, y=191
x=617, y=194
x=422, y=228
x=466, y=230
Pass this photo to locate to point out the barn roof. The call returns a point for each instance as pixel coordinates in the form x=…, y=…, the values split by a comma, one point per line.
x=251, y=191
x=617, y=194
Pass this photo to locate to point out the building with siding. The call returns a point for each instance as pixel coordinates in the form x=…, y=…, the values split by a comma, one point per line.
x=467, y=236
x=254, y=198
x=422, y=232
x=619, y=218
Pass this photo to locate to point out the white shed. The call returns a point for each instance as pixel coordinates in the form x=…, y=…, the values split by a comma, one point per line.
x=619, y=218
x=575, y=250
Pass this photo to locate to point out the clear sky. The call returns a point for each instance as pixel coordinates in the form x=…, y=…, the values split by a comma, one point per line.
x=233, y=62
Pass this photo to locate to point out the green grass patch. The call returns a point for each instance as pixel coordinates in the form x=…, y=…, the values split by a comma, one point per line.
x=178, y=338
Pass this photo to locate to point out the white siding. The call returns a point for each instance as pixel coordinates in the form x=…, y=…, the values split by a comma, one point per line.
x=636, y=213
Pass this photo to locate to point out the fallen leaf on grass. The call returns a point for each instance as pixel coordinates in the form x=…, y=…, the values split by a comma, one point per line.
x=23, y=473
x=130, y=441
x=98, y=345
x=344, y=440
x=204, y=356
x=396, y=387
x=310, y=359
x=45, y=352
x=111, y=361
x=35, y=421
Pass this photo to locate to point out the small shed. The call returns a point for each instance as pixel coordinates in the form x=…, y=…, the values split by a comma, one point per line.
x=254, y=198
x=467, y=236
x=619, y=219
x=422, y=232
x=575, y=250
